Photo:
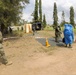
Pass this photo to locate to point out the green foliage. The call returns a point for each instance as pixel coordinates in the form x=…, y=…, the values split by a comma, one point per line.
x=40, y=11
x=18, y=33
x=75, y=31
x=18, y=28
x=44, y=21
x=48, y=28
x=37, y=14
x=55, y=17
x=36, y=11
x=10, y=11
x=63, y=19
x=21, y=28
x=72, y=16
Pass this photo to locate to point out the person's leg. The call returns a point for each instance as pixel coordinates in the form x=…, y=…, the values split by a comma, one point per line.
x=55, y=39
x=33, y=32
x=3, y=57
x=65, y=45
x=70, y=46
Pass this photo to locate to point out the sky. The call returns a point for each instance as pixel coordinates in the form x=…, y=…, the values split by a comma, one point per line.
x=47, y=9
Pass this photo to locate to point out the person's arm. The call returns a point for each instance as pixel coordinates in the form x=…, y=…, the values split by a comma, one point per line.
x=1, y=37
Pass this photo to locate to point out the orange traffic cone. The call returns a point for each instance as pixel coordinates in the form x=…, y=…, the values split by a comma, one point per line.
x=47, y=43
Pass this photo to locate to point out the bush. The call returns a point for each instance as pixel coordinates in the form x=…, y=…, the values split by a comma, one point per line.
x=48, y=28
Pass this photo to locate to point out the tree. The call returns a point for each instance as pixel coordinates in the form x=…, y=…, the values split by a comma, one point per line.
x=44, y=21
x=55, y=17
x=63, y=18
x=36, y=11
x=40, y=11
x=72, y=16
x=10, y=12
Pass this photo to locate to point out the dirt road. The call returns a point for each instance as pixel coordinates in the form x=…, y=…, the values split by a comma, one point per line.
x=29, y=57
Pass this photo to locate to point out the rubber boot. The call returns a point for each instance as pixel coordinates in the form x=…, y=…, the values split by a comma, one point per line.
x=70, y=46
x=66, y=45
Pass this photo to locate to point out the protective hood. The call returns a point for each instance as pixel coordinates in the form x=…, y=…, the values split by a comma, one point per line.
x=68, y=34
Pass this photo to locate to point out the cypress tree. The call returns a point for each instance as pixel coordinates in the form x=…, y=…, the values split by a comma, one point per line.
x=55, y=17
x=63, y=18
x=72, y=16
x=36, y=11
x=44, y=21
x=40, y=11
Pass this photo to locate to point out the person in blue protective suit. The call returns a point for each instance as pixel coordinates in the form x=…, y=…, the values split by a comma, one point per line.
x=68, y=34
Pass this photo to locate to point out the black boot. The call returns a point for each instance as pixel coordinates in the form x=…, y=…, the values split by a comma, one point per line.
x=56, y=39
x=70, y=46
x=66, y=45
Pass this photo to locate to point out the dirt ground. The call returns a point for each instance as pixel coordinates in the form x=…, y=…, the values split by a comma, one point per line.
x=29, y=57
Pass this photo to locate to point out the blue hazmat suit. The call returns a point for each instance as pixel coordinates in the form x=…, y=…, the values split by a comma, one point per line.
x=68, y=34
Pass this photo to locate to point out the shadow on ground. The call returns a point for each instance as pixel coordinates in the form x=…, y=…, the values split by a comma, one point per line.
x=51, y=42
